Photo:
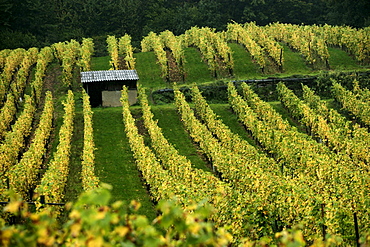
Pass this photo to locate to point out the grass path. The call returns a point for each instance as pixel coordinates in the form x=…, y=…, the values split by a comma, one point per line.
x=341, y=60
x=294, y=62
x=230, y=119
x=196, y=69
x=174, y=131
x=243, y=64
x=148, y=70
x=114, y=162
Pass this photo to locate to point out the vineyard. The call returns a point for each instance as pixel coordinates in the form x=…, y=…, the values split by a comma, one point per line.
x=285, y=163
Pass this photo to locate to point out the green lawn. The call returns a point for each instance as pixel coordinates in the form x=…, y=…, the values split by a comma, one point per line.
x=175, y=133
x=196, y=70
x=100, y=63
x=114, y=162
x=294, y=63
x=341, y=60
x=149, y=71
x=243, y=64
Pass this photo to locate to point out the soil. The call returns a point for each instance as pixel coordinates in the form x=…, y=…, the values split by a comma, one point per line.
x=222, y=70
x=51, y=78
x=175, y=72
x=122, y=63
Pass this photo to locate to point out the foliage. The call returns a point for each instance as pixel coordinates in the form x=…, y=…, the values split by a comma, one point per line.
x=94, y=222
x=112, y=45
x=23, y=175
x=40, y=23
x=54, y=180
x=89, y=180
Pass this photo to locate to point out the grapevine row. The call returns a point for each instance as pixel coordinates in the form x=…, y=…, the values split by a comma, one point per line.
x=279, y=201
x=19, y=84
x=3, y=55
x=54, y=180
x=176, y=45
x=152, y=42
x=23, y=176
x=89, y=180
x=126, y=51
x=334, y=186
x=13, y=61
x=200, y=185
x=112, y=45
x=7, y=113
x=362, y=94
x=360, y=109
x=86, y=51
x=214, y=49
x=44, y=57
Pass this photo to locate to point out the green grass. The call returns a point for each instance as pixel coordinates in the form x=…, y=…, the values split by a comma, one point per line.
x=294, y=63
x=149, y=71
x=243, y=64
x=196, y=70
x=100, y=63
x=231, y=120
x=175, y=133
x=114, y=162
x=340, y=60
x=244, y=68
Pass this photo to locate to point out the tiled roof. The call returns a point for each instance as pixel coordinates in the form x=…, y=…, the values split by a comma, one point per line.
x=108, y=75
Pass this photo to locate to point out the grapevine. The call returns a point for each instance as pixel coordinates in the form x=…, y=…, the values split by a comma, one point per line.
x=126, y=51
x=54, y=180
x=113, y=52
x=86, y=51
x=89, y=180
x=23, y=175
x=152, y=42
x=312, y=164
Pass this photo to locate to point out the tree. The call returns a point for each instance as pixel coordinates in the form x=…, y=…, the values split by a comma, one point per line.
x=347, y=12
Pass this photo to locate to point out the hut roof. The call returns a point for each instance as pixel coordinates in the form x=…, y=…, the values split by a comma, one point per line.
x=108, y=75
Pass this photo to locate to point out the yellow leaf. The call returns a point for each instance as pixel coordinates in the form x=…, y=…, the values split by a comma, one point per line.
x=13, y=207
x=121, y=230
